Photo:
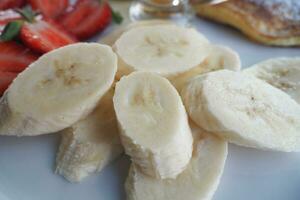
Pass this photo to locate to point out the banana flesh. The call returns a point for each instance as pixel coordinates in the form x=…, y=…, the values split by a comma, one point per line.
x=60, y=88
x=282, y=73
x=153, y=124
x=220, y=57
x=111, y=38
x=198, y=181
x=244, y=110
x=166, y=49
x=90, y=144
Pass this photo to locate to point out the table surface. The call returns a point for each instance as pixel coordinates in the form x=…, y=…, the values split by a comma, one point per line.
x=27, y=164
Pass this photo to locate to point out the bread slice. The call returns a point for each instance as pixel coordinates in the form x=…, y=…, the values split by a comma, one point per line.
x=271, y=22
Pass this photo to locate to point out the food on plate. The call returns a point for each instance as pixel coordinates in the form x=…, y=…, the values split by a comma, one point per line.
x=7, y=16
x=44, y=36
x=165, y=49
x=198, y=181
x=49, y=8
x=244, y=110
x=39, y=34
x=86, y=18
x=90, y=144
x=112, y=37
x=7, y=4
x=80, y=20
x=44, y=32
x=283, y=73
x=57, y=90
x=220, y=57
x=103, y=99
x=271, y=22
x=6, y=78
x=153, y=124
x=15, y=57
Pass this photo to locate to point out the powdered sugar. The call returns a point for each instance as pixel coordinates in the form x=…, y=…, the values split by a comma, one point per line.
x=285, y=9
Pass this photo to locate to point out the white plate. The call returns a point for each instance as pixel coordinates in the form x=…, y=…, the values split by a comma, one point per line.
x=27, y=164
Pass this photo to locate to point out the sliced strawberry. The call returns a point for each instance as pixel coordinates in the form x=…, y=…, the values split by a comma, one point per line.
x=49, y=8
x=6, y=78
x=43, y=36
x=15, y=57
x=7, y=16
x=6, y=4
x=87, y=18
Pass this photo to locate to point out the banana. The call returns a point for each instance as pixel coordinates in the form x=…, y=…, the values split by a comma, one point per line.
x=153, y=124
x=90, y=144
x=283, y=73
x=57, y=90
x=166, y=49
x=198, y=181
x=220, y=57
x=111, y=38
x=244, y=110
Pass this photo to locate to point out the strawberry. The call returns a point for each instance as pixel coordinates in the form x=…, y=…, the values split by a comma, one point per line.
x=39, y=34
x=15, y=57
x=87, y=18
x=7, y=16
x=44, y=35
x=6, y=78
x=49, y=8
x=6, y=4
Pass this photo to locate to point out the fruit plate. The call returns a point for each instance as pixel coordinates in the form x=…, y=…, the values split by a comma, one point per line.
x=27, y=164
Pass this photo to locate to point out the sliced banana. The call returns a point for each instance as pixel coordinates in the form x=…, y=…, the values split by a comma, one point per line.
x=244, y=110
x=111, y=38
x=198, y=181
x=153, y=123
x=220, y=57
x=90, y=144
x=57, y=90
x=283, y=73
x=165, y=49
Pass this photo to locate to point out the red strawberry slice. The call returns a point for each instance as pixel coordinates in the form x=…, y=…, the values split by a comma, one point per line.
x=6, y=4
x=7, y=16
x=15, y=57
x=87, y=18
x=43, y=36
x=6, y=78
x=49, y=8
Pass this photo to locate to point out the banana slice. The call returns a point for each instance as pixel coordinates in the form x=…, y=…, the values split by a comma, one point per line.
x=165, y=49
x=153, y=123
x=198, y=181
x=90, y=144
x=283, y=73
x=57, y=90
x=244, y=110
x=111, y=38
x=220, y=57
